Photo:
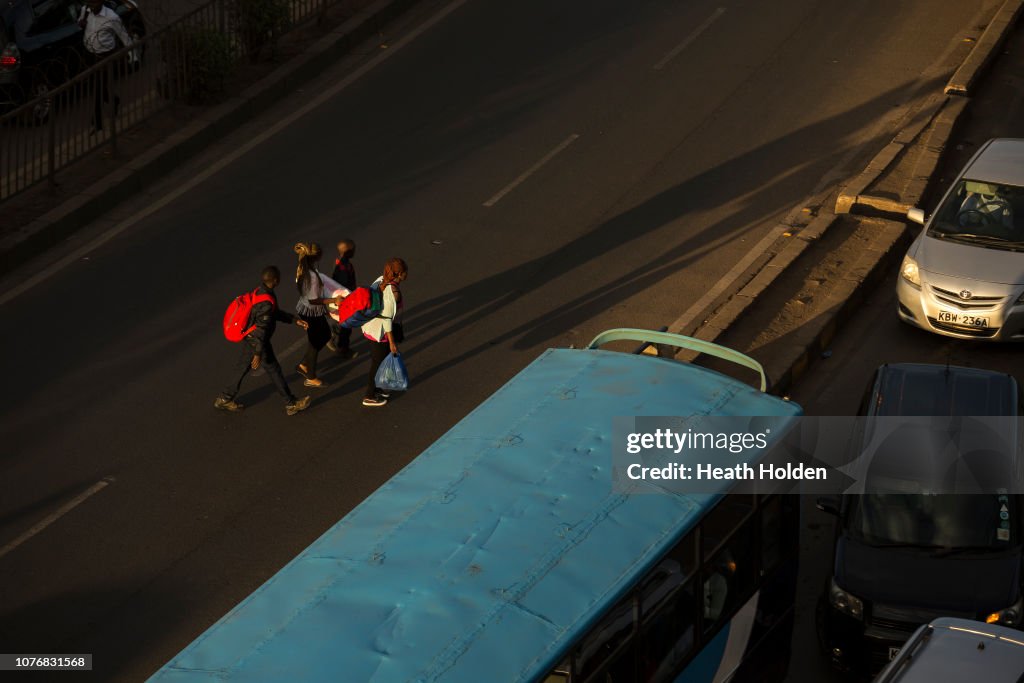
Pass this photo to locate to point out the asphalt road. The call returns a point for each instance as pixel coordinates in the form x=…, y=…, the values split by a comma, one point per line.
x=675, y=135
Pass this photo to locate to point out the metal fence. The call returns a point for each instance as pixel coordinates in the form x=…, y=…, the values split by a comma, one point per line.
x=188, y=61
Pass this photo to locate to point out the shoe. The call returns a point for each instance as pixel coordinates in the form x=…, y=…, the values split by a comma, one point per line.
x=383, y=394
x=315, y=383
x=374, y=402
x=298, y=406
x=332, y=346
x=230, y=405
x=348, y=354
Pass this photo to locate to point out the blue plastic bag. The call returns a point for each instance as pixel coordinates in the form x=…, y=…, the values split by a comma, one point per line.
x=391, y=375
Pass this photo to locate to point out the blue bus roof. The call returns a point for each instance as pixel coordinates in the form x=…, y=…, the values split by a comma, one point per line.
x=489, y=553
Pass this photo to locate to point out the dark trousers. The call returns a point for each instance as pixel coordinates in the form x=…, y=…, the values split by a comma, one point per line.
x=317, y=337
x=270, y=366
x=101, y=86
x=378, y=352
x=342, y=336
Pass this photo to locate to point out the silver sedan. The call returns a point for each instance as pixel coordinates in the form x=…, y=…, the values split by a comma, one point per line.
x=964, y=274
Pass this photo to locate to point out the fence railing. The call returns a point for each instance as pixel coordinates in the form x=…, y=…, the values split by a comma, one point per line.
x=189, y=61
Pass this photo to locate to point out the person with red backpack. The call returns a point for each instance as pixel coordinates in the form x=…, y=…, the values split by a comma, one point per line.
x=384, y=331
x=251, y=319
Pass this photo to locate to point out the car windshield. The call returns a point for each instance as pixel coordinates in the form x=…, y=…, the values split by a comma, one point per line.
x=986, y=214
x=949, y=522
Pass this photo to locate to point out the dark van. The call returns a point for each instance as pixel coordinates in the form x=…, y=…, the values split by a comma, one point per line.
x=903, y=558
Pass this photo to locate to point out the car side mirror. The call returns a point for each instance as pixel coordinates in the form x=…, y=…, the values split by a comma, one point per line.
x=828, y=505
x=916, y=215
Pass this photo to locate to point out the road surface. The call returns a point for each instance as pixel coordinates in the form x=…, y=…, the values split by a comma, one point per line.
x=548, y=170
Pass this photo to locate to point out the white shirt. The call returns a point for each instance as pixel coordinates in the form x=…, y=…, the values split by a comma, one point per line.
x=312, y=288
x=103, y=30
x=377, y=329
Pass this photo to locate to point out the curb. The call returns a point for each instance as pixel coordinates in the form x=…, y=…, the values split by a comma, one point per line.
x=86, y=206
x=733, y=309
x=875, y=265
x=984, y=50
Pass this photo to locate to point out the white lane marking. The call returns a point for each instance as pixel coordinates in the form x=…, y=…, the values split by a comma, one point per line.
x=674, y=52
x=530, y=171
x=63, y=263
x=63, y=510
x=686, y=319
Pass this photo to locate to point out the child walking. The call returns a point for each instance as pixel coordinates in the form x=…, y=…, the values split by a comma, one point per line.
x=345, y=275
x=312, y=308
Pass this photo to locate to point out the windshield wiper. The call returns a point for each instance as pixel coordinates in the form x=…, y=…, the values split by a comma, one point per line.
x=987, y=240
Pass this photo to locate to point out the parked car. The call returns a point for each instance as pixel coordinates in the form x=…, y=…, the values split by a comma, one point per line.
x=41, y=45
x=903, y=558
x=956, y=650
x=964, y=274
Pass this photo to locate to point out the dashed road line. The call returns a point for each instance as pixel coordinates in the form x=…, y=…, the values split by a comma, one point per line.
x=674, y=52
x=60, y=512
x=530, y=171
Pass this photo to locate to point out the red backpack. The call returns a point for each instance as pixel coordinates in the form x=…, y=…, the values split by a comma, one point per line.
x=236, y=318
x=360, y=307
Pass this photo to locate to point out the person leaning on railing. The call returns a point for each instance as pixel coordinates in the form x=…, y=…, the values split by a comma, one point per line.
x=103, y=30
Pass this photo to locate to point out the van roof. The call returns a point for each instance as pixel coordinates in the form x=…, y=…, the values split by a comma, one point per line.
x=959, y=650
x=910, y=389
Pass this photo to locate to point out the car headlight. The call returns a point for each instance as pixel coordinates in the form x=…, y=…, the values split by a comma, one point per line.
x=909, y=271
x=846, y=603
x=1009, y=616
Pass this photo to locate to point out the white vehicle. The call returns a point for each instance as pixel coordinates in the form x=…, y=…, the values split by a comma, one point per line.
x=954, y=650
x=964, y=274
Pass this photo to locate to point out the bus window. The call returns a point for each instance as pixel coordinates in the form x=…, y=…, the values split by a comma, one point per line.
x=728, y=577
x=606, y=655
x=727, y=516
x=777, y=537
x=667, y=636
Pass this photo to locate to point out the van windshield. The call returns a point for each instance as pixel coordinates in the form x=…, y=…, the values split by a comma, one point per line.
x=950, y=522
x=983, y=214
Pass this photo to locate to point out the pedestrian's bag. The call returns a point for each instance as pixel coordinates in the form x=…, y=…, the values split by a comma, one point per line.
x=332, y=290
x=391, y=375
x=360, y=307
x=236, y=318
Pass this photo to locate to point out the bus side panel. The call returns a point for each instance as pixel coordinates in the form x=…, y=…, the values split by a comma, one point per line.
x=704, y=667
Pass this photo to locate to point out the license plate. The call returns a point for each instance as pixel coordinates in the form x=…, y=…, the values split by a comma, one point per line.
x=962, y=319
x=893, y=651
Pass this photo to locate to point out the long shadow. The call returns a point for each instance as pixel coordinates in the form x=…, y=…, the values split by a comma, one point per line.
x=769, y=179
x=763, y=176
x=712, y=189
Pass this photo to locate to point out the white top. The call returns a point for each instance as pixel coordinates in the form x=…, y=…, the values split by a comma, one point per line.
x=103, y=30
x=312, y=288
x=377, y=329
